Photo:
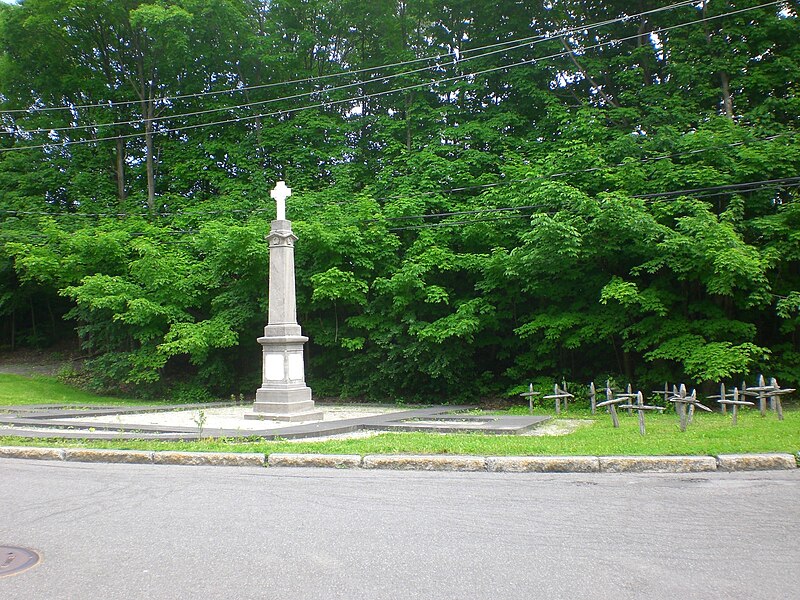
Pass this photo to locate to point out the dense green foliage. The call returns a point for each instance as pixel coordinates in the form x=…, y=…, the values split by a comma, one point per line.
x=467, y=222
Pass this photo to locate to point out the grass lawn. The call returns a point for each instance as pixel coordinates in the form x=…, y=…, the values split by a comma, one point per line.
x=20, y=389
x=709, y=434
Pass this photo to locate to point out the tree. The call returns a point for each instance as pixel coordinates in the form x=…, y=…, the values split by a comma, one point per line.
x=484, y=192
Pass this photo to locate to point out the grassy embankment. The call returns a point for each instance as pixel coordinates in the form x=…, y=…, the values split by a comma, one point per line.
x=39, y=389
x=709, y=434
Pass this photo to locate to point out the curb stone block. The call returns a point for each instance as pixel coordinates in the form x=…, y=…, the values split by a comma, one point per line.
x=424, y=462
x=31, y=453
x=543, y=464
x=756, y=462
x=214, y=459
x=657, y=464
x=334, y=461
x=107, y=456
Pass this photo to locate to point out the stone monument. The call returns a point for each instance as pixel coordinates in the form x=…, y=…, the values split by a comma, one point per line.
x=283, y=395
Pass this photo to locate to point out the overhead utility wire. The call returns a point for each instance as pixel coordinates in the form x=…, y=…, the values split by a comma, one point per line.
x=255, y=103
x=383, y=79
x=549, y=212
x=731, y=188
x=427, y=193
x=461, y=223
x=457, y=53
x=483, y=186
x=443, y=224
x=158, y=119
x=441, y=191
x=424, y=225
x=328, y=104
x=749, y=186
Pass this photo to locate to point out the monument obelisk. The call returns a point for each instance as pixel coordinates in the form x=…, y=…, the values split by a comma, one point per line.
x=283, y=395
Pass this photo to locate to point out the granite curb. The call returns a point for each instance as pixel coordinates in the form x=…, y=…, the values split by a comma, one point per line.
x=756, y=462
x=331, y=461
x=657, y=464
x=424, y=462
x=31, y=453
x=543, y=464
x=418, y=462
x=210, y=459
x=107, y=456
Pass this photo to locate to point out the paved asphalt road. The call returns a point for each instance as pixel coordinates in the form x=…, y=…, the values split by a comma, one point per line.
x=149, y=531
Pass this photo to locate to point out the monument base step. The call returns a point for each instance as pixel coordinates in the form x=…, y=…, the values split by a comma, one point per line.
x=291, y=417
x=292, y=404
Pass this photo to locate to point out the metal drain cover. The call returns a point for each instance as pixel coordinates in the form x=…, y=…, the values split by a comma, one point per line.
x=14, y=560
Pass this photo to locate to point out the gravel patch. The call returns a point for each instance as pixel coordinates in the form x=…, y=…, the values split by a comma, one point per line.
x=226, y=417
x=559, y=427
x=32, y=363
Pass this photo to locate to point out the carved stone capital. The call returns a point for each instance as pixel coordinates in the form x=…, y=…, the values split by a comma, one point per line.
x=281, y=239
x=280, y=234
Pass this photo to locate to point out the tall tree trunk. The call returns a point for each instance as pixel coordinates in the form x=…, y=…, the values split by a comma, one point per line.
x=727, y=100
x=148, y=141
x=33, y=318
x=724, y=78
x=52, y=317
x=406, y=44
x=103, y=45
x=627, y=364
x=120, y=170
x=145, y=87
x=408, y=122
x=643, y=40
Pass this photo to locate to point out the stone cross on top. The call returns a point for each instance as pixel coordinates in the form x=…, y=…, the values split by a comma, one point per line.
x=280, y=193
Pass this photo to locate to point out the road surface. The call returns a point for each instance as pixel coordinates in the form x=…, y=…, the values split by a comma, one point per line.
x=170, y=532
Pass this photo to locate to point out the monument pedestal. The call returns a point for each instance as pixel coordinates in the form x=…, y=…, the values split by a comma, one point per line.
x=283, y=395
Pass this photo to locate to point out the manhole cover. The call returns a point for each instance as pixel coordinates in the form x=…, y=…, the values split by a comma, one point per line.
x=15, y=560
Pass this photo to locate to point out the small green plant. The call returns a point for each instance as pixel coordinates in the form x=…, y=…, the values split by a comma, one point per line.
x=200, y=421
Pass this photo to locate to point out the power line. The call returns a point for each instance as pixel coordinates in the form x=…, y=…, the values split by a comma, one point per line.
x=789, y=182
x=703, y=192
x=484, y=186
x=549, y=212
x=732, y=186
x=190, y=212
x=750, y=186
x=458, y=213
x=383, y=79
x=94, y=215
x=259, y=102
x=362, y=97
x=461, y=223
x=457, y=53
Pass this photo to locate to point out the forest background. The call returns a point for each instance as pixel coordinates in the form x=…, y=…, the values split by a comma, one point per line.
x=485, y=193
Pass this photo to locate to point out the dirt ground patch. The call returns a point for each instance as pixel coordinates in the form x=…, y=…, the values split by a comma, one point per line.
x=32, y=362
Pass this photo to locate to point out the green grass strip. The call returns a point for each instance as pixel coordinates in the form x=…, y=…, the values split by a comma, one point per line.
x=708, y=435
x=20, y=389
